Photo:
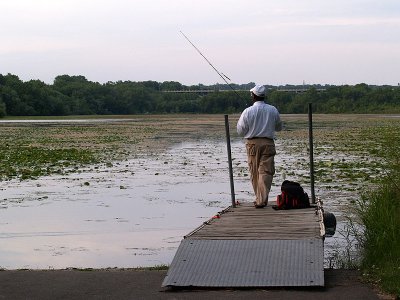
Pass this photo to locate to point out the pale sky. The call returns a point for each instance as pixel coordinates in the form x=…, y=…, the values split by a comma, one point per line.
x=263, y=41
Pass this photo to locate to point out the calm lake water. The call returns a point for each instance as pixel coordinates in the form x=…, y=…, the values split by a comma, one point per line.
x=136, y=212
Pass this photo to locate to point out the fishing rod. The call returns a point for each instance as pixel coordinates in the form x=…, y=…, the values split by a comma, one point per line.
x=228, y=138
x=222, y=75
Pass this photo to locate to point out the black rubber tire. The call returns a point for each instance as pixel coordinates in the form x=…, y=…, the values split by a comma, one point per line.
x=329, y=223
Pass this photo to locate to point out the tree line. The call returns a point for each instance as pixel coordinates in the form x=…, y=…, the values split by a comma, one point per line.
x=75, y=95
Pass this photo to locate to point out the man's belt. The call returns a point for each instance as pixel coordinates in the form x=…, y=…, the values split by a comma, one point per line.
x=260, y=137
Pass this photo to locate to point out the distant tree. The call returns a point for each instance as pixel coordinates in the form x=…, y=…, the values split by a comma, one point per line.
x=153, y=85
x=12, y=101
x=280, y=100
x=3, y=110
x=77, y=95
x=171, y=86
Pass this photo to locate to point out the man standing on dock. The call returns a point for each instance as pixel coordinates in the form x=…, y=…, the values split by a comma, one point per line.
x=258, y=124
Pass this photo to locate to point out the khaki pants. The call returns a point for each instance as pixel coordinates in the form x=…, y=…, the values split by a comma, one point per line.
x=260, y=157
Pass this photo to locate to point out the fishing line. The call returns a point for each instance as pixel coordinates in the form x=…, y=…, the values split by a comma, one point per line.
x=222, y=75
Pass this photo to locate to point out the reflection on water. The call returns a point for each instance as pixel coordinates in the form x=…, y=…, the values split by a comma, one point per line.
x=132, y=214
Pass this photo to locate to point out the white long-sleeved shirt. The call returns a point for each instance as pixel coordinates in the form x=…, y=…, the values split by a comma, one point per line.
x=259, y=120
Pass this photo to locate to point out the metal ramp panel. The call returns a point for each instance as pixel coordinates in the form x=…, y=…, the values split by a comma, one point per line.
x=247, y=263
x=247, y=247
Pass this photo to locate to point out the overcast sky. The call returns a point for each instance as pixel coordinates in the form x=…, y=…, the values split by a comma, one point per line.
x=264, y=41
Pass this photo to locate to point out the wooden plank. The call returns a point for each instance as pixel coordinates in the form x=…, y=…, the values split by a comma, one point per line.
x=246, y=222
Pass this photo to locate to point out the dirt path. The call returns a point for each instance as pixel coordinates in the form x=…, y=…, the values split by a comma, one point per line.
x=135, y=284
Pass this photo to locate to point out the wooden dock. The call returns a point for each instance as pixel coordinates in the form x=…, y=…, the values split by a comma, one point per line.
x=246, y=222
x=249, y=247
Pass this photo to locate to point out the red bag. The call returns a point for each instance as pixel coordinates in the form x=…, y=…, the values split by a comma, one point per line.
x=292, y=196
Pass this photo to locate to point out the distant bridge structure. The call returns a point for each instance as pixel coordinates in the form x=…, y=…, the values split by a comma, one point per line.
x=207, y=91
x=203, y=91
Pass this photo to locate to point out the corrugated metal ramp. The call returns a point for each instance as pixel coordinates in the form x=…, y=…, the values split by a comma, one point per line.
x=227, y=257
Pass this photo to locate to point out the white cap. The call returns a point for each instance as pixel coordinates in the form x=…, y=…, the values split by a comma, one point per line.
x=258, y=90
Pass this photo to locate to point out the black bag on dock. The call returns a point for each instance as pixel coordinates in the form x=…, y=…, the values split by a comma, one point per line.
x=292, y=196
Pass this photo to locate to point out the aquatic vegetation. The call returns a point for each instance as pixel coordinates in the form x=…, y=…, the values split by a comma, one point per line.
x=32, y=162
x=31, y=150
x=346, y=147
x=179, y=161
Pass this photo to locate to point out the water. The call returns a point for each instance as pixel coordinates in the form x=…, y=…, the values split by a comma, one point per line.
x=132, y=214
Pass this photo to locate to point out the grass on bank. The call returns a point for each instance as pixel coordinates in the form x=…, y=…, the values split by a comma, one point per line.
x=379, y=212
